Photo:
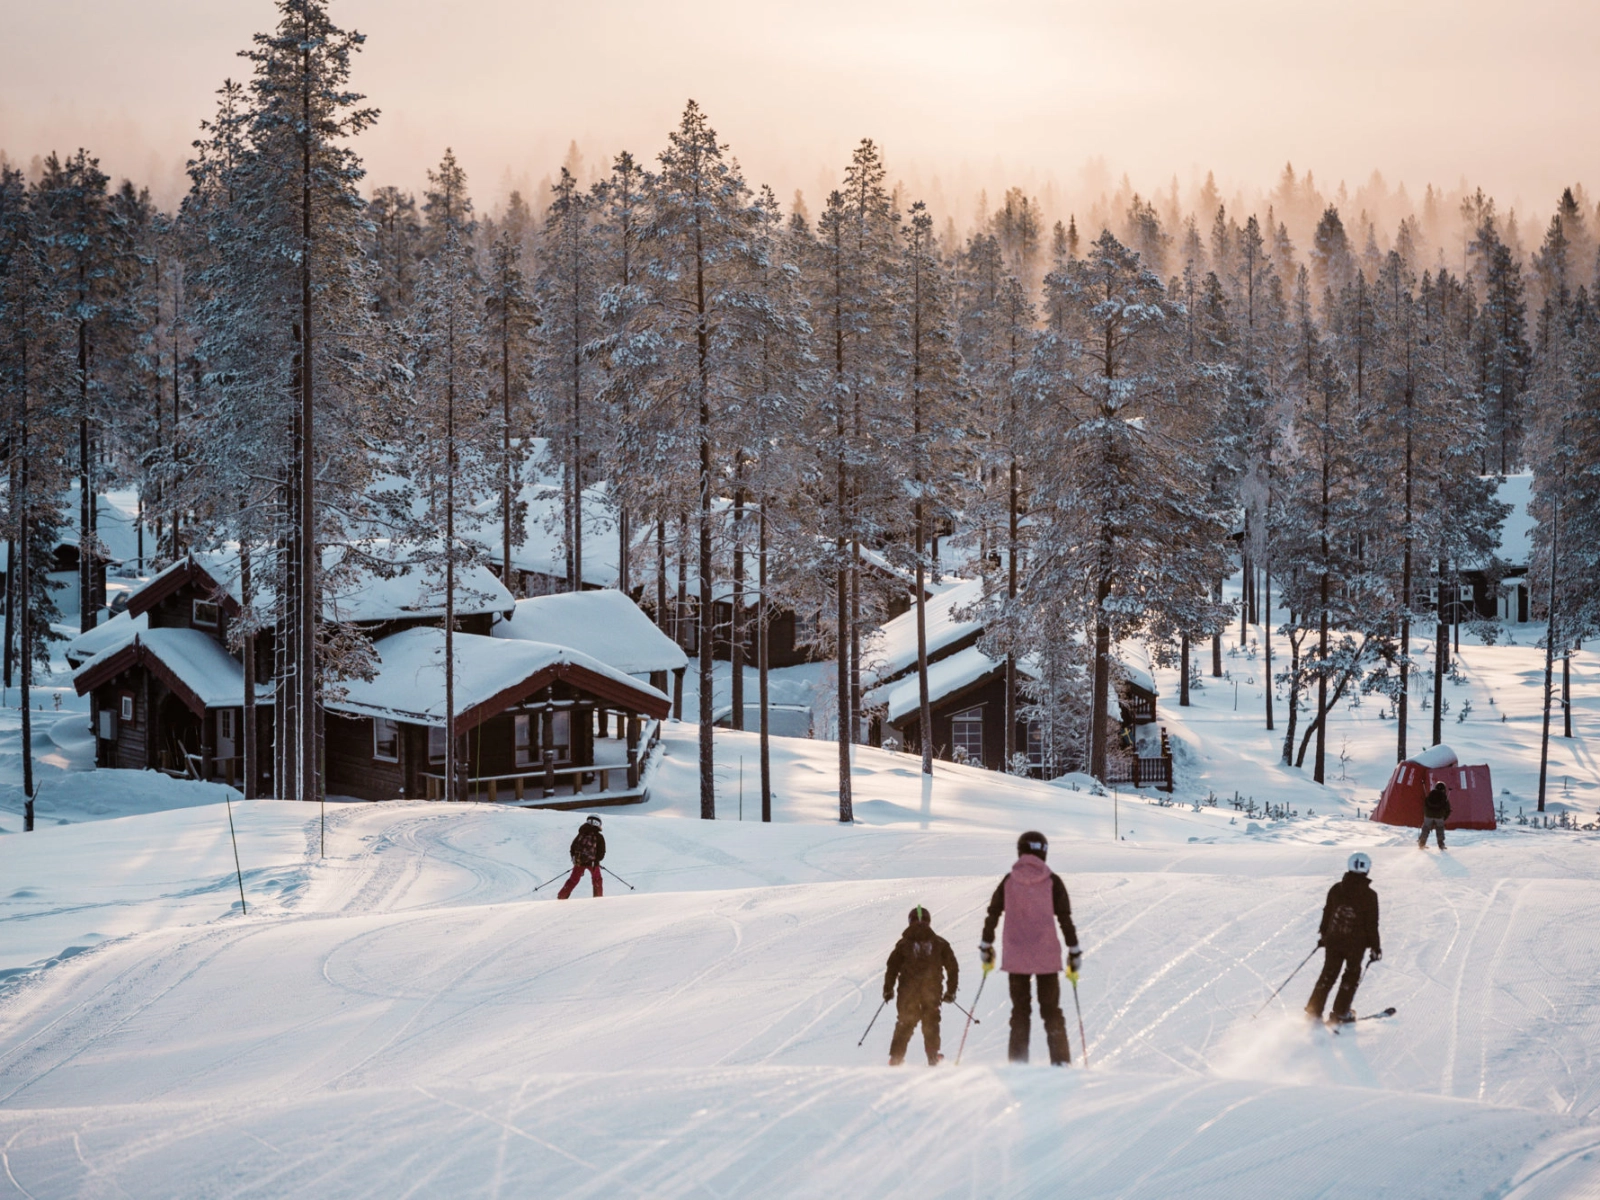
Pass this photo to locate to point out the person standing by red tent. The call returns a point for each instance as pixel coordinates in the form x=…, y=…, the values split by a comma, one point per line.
x=1435, y=812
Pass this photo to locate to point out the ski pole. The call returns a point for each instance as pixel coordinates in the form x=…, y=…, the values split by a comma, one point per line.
x=970, y=1017
x=1284, y=984
x=872, y=1022
x=617, y=877
x=549, y=881
x=1073, y=976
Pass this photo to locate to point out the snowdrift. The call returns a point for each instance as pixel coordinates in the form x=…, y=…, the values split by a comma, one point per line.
x=1470, y=788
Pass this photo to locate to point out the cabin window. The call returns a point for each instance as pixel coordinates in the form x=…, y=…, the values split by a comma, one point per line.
x=205, y=614
x=385, y=740
x=108, y=725
x=966, y=735
x=436, y=745
x=520, y=739
x=1036, y=743
x=561, y=735
x=1466, y=592
x=127, y=708
x=225, y=724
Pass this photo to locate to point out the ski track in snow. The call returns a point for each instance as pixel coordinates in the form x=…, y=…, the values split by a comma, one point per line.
x=409, y=1020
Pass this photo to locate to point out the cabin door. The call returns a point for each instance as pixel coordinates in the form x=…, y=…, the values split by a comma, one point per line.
x=227, y=732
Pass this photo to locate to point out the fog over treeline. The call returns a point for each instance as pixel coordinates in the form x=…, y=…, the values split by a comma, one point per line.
x=813, y=404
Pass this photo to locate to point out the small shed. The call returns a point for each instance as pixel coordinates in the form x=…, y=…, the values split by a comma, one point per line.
x=1471, y=791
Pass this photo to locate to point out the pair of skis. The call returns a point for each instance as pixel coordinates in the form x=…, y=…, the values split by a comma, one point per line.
x=1336, y=1026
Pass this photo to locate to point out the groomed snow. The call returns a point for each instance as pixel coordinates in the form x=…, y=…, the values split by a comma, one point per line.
x=408, y=1016
x=603, y=624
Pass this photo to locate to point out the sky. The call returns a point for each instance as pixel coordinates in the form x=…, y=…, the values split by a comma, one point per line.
x=961, y=95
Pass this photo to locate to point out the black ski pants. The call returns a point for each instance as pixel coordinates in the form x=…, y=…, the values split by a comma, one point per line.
x=1434, y=825
x=911, y=1010
x=1335, y=958
x=1055, y=1021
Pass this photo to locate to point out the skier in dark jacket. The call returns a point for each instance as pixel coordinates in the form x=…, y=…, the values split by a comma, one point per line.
x=1034, y=900
x=1349, y=927
x=920, y=962
x=588, y=851
x=1435, y=812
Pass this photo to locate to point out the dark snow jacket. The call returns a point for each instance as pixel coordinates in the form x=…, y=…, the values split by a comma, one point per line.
x=1029, y=897
x=1350, y=916
x=1437, y=802
x=589, y=847
x=918, y=963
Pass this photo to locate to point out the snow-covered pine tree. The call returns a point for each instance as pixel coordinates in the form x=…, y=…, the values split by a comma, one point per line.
x=855, y=256
x=930, y=376
x=88, y=248
x=620, y=214
x=701, y=307
x=454, y=460
x=563, y=377
x=285, y=329
x=1320, y=523
x=510, y=313
x=1110, y=483
x=1500, y=345
x=38, y=404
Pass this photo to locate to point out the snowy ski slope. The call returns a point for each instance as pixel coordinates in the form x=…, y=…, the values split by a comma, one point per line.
x=407, y=1017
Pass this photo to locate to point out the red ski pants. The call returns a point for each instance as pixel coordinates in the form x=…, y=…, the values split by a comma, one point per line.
x=577, y=874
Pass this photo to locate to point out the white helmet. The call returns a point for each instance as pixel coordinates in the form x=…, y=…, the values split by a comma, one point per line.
x=1359, y=863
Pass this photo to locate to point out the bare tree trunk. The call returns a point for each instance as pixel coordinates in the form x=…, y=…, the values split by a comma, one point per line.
x=736, y=632
x=1216, y=637
x=1183, y=663
x=708, y=794
x=1102, y=677
x=762, y=628
x=247, y=735
x=25, y=649
x=308, y=614
x=681, y=613
x=1549, y=652
x=1266, y=638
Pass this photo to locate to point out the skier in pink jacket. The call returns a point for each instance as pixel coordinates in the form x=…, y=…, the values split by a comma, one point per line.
x=1034, y=901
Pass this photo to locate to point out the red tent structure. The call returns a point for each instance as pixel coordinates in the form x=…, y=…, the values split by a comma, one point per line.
x=1471, y=792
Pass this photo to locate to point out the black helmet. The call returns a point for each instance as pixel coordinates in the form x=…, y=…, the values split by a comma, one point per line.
x=595, y=821
x=1033, y=842
x=918, y=914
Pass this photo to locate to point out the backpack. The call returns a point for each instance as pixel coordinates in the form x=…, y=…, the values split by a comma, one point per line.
x=586, y=844
x=1344, y=924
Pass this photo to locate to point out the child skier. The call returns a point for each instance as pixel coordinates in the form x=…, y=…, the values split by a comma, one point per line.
x=1435, y=812
x=919, y=962
x=588, y=850
x=1029, y=897
x=1349, y=926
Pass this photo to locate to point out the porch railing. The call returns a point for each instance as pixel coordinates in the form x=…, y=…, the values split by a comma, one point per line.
x=546, y=780
x=1143, y=770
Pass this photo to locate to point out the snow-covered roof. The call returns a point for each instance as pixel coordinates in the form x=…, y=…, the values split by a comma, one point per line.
x=948, y=675
x=108, y=635
x=409, y=684
x=193, y=664
x=415, y=588
x=605, y=625
x=893, y=650
x=1435, y=757
x=1516, y=535
x=543, y=547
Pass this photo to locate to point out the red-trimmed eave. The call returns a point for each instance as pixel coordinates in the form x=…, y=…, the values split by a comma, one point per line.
x=158, y=590
x=633, y=699
x=137, y=654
